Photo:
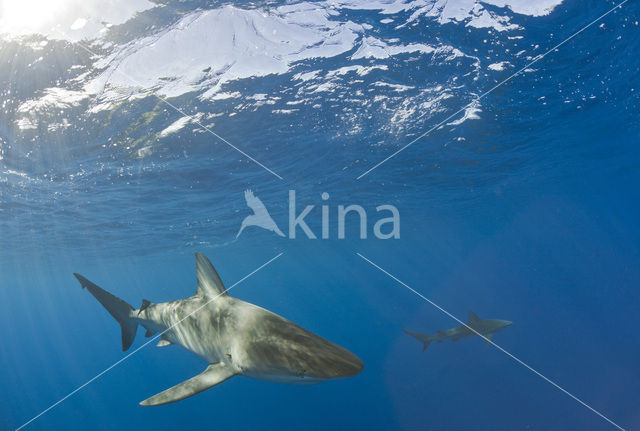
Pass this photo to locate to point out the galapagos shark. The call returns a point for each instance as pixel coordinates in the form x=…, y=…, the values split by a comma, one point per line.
x=484, y=327
x=233, y=336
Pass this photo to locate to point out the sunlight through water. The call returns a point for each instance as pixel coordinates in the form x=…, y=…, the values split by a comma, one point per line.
x=65, y=19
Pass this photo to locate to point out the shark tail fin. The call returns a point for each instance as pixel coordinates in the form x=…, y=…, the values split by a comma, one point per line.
x=119, y=309
x=426, y=339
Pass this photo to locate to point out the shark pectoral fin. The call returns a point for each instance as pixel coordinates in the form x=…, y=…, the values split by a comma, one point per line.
x=149, y=333
x=488, y=338
x=163, y=343
x=214, y=374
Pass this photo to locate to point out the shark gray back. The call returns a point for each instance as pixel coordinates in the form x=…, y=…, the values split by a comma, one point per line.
x=233, y=336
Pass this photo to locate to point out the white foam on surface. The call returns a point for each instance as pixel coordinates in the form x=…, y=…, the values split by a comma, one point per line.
x=527, y=7
x=372, y=47
x=396, y=87
x=25, y=123
x=175, y=126
x=224, y=96
x=207, y=49
x=307, y=76
x=472, y=12
x=498, y=66
x=358, y=69
x=54, y=97
x=450, y=9
x=471, y=113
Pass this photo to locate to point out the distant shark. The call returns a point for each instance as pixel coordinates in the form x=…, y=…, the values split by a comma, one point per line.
x=233, y=336
x=475, y=326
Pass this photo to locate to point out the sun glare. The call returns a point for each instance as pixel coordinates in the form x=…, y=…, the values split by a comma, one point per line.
x=19, y=17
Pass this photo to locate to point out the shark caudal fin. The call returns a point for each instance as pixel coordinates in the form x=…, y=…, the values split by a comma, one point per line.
x=119, y=309
x=426, y=339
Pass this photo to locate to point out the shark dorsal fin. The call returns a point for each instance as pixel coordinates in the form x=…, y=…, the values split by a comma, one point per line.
x=209, y=283
x=473, y=317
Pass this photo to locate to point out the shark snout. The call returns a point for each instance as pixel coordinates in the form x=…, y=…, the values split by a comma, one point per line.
x=295, y=355
x=350, y=366
x=340, y=363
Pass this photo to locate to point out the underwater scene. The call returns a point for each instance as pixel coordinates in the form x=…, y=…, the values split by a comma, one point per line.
x=331, y=215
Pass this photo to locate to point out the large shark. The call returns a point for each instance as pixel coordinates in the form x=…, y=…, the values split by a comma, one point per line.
x=475, y=326
x=233, y=336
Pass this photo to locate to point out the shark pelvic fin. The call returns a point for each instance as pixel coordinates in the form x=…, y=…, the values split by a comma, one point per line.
x=120, y=310
x=214, y=374
x=164, y=342
x=209, y=282
x=488, y=338
x=473, y=317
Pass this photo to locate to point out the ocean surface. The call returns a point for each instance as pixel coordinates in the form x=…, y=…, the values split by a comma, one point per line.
x=130, y=131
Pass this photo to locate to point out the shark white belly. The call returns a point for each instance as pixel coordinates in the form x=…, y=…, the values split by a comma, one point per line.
x=235, y=337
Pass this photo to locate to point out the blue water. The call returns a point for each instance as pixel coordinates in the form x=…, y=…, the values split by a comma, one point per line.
x=528, y=213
